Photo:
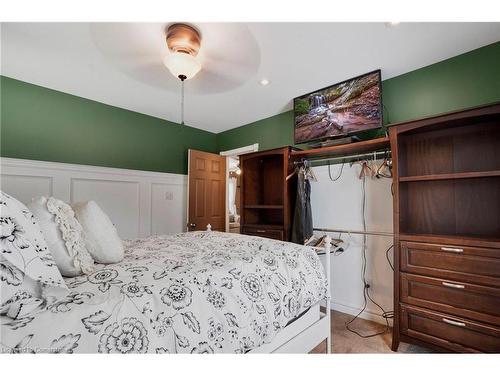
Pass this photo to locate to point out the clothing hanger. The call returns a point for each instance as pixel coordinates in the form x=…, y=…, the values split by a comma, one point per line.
x=366, y=170
x=311, y=174
x=308, y=171
x=385, y=169
x=299, y=165
x=291, y=174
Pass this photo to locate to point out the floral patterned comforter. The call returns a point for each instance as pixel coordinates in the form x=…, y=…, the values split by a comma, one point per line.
x=197, y=292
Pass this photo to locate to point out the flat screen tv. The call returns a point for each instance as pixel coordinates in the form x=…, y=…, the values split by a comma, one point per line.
x=340, y=110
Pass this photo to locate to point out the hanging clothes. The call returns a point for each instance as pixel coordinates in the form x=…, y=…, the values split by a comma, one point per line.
x=302, y=228
x=231, y=195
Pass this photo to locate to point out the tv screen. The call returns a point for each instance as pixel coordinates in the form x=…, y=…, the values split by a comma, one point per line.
x=339, y=110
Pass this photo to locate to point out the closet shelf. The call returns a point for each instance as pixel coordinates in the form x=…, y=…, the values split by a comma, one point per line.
x=376, y=144
x=450, y=176
x=265, y=206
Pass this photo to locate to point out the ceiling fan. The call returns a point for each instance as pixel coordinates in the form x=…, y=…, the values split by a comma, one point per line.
x=183, y=41
x=222, y=56
x=228, y=53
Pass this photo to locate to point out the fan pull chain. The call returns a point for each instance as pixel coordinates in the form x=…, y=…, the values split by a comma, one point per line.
x=182, y=103
x=182, y=77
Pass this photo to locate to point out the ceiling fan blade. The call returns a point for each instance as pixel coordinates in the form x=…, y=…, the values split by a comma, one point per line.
x=229, y=55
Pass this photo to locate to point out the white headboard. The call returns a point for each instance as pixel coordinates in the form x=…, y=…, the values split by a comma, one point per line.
x=139, y=203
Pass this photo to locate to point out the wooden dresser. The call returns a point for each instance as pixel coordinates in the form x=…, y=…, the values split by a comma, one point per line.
x=266, y=195
x=447, y=231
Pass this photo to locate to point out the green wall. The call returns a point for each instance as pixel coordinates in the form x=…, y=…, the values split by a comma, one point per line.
x=463, y=81
x=275, y=131
x=43, y=124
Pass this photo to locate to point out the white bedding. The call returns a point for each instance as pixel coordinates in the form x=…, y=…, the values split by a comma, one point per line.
x=198, y=292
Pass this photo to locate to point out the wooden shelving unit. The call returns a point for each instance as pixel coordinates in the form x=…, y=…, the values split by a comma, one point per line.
x=267, y=196
x=447, y=231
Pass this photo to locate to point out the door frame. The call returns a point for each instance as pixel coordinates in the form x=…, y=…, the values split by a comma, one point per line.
x=235, y=152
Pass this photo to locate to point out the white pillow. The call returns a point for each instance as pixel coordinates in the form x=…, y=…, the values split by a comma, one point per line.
x=28, y=273
x=101, y=237
x=64, y=236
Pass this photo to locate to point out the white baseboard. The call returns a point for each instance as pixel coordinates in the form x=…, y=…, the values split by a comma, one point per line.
x=351, y=310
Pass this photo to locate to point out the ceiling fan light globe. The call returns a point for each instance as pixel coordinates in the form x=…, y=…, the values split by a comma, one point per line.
x=182, y=64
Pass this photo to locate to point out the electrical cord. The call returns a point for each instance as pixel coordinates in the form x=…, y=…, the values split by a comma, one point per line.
x=387, y=256
x=340, y=173
x=366, y=292
x=366, y=286
x=384, y=127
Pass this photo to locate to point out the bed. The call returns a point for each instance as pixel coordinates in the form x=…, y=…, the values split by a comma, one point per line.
x=196, y=292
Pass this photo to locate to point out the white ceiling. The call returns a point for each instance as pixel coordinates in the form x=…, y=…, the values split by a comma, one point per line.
x=121, y=63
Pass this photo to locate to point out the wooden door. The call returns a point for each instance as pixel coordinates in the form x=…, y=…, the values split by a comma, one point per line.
x=206, y=191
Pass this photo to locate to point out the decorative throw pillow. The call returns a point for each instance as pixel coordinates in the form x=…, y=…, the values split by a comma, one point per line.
x=101, y=237
x=64, y=236
x=28, y=274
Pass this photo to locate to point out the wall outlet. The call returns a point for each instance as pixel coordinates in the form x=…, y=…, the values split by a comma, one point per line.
x=169, y=196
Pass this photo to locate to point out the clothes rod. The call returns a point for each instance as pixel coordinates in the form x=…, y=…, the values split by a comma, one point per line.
x=373, y=155
x=371, y=233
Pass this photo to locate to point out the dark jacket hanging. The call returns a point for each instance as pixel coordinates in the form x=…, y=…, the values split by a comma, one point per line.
x=302, y=228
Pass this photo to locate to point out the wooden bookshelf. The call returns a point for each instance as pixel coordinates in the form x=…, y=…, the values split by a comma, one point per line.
x=267, y=196
x=447, y=231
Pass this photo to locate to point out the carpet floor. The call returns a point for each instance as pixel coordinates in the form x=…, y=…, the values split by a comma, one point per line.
x=345, y=341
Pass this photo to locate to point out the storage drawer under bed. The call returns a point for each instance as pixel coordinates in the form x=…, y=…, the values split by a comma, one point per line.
x=448, y=331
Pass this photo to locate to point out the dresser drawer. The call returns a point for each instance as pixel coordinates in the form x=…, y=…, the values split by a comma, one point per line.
x=448, y=331
x=467, y=264
x=471, y=301
x=274, y=234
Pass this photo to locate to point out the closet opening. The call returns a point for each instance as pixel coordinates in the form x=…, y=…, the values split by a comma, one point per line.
x=233, y=185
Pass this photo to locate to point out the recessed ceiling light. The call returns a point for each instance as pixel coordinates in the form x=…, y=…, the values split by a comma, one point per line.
x=264, y=82
x=392, y=24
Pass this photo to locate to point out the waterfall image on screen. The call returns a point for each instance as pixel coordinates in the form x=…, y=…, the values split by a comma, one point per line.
x=340, y=110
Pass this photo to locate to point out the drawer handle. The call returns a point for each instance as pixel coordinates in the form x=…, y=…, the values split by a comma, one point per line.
x=453, y=322
x=451, y=285
x=261, y=231
x=452, y=249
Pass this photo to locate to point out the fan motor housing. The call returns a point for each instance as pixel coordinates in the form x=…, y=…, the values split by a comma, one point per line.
x=183, y=38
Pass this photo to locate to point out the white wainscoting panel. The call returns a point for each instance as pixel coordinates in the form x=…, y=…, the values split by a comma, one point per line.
x=168, y=201
x=27, y=187
x=139, y=203
x=119, y=199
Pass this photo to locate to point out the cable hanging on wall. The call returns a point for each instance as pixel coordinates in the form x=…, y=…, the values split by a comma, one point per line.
x=366, y=286
x=330, y=173
x=384, y=170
